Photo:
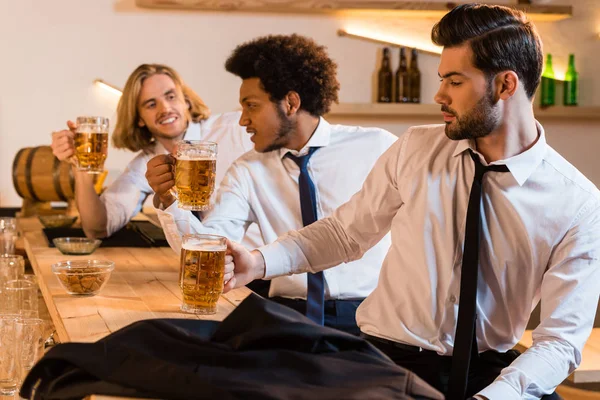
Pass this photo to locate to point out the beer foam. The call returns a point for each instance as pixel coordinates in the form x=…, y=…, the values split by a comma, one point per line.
x=203, y=247
x=197, y=158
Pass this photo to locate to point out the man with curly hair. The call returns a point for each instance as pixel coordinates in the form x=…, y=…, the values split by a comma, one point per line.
x=302, y=168
x=486, y=218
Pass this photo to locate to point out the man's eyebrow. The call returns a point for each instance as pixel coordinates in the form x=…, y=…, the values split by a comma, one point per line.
x=170, y=91
x=246, y=98
x=147, y=101
x=451, y=73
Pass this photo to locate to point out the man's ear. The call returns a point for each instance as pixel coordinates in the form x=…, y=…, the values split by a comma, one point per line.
x=506, y=84
x=291, y=103
x=141, y=123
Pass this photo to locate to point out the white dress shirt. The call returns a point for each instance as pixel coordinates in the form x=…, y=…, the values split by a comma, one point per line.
x=540, y=237
x=124, y=198
x=263, y=188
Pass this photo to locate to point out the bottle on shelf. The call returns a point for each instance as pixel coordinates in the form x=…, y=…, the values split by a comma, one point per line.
x=384, y=79
x=571, y=87
x=402, y=87
x=414, y=78
x=548, y=84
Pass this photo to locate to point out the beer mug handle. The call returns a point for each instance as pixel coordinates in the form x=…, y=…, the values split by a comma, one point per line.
x=173, y=191
x=173, y=188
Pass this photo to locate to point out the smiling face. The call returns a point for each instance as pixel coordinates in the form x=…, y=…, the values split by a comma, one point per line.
x=162, y=107
x=466, y=96
x=270, y=127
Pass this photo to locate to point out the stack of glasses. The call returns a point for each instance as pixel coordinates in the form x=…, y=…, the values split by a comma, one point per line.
x=21, y=331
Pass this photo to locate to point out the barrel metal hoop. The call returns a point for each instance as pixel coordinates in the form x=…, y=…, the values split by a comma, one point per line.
x=28, y=177
x=56, y=180
x=14, y=172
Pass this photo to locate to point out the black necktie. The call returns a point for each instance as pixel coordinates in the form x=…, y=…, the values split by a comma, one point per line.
x=315, y=297
x=465, y=343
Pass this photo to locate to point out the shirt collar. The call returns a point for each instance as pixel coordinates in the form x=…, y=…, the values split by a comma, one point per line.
x=193, y=131
x=320, y=138
x=520, y=166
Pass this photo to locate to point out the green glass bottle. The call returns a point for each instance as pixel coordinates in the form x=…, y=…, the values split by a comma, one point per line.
x=548, y=84
x=571, y=92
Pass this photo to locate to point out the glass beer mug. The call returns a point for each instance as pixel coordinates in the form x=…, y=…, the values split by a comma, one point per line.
x=91, y=143
x=202, y=266
x=195, y=171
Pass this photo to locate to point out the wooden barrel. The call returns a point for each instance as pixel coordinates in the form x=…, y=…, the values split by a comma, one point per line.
x=39, y=176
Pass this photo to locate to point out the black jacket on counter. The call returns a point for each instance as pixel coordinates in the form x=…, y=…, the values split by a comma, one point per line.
x=262, y=350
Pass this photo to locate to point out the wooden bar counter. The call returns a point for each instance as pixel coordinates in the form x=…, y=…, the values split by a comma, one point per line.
x=143, y=285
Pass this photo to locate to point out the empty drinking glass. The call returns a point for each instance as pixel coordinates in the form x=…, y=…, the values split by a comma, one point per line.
x=8, y=235
x=21, y=298
x=8, y=355
x=30, y=344
x=11, y=267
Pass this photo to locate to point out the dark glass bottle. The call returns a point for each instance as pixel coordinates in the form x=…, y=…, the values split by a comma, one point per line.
x=548, y=84
x=402, y=87
x=414, y=78
x=571, y=92
x=384, y=79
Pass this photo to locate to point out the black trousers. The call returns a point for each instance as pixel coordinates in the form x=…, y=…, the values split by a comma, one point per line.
x=435, y=369
x=339, y=314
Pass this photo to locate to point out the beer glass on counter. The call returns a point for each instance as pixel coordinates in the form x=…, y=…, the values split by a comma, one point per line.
x=91, y=143
x=8, y=235
x=195, y=170
x=202, y=266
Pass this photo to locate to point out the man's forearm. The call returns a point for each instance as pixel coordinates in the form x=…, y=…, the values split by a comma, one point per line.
x=92, y=211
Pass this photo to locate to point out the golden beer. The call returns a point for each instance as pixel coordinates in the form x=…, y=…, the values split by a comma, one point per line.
x=91, y=150
x=195, y=182
x=202, y=266
x=91, y=143
x=195, y=171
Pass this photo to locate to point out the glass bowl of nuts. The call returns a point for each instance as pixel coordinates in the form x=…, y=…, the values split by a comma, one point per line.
x=76, y=246
x=83, y=277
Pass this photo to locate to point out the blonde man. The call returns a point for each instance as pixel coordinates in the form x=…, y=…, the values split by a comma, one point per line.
x=156, y=110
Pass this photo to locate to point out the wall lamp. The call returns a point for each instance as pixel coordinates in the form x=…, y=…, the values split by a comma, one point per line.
x=108, y=87
x=422, y=46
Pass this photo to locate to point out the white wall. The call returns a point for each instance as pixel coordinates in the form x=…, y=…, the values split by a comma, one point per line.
x=51, y=50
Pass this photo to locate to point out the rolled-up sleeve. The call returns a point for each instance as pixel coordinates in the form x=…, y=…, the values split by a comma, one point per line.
x=124, y=198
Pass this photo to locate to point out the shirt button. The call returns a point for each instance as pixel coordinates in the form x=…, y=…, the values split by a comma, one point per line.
x=452, y=299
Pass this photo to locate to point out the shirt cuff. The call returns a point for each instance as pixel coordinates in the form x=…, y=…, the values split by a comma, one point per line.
x=276, y=260
x=283, y=257
x=173, y=210
x=500, y=390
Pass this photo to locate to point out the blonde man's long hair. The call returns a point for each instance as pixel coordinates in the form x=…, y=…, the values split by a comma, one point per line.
x=128, y=134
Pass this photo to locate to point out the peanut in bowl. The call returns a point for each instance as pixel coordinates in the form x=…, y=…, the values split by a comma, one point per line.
x=83, y=277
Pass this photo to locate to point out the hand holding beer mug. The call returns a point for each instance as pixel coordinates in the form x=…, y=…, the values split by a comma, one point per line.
x=195, y=170
x=91, y=143
x=202, y=266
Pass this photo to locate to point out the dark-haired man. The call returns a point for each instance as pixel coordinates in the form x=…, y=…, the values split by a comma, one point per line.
x=302, y=169
x=485, y=217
